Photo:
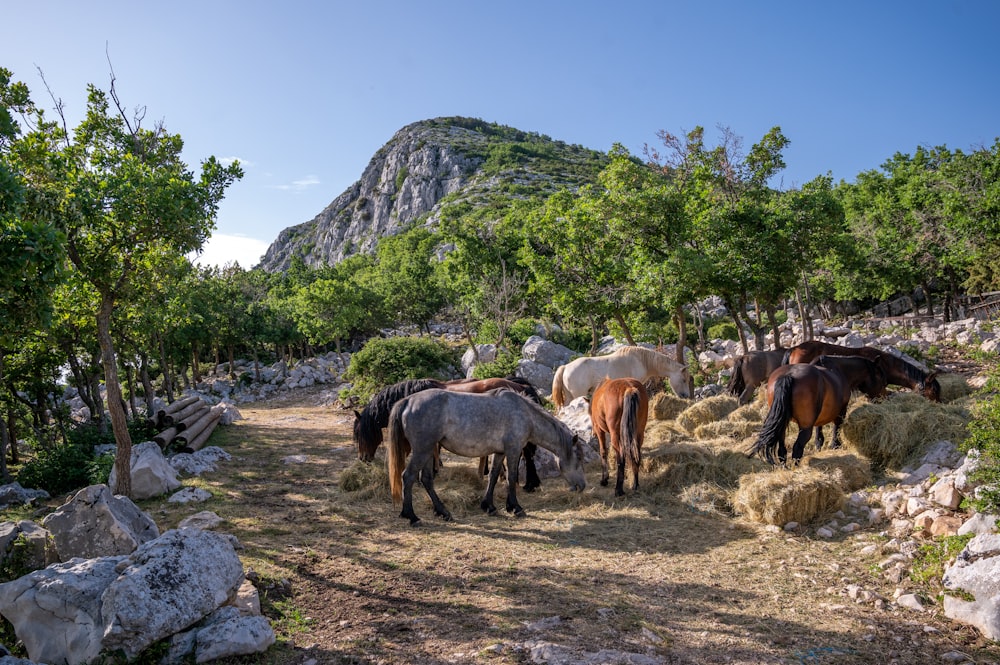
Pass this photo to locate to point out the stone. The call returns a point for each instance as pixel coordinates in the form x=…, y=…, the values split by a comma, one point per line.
x=979, y=523
x=976, y=571
x=25, y=546
x=206, y=519
x=96, y=523
x=944, y=493
x=945, y=525
x=190, y=495
x=12, y=494
x=152, y=475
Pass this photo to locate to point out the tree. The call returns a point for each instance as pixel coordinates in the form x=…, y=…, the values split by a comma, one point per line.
x=125, y=196
x=406, y=276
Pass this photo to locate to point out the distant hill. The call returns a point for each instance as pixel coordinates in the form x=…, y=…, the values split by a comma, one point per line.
x=424, y=168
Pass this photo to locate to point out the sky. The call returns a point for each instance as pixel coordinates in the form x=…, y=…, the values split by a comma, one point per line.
x=304, y=93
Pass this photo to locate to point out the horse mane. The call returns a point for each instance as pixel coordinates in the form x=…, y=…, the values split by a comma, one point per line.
x=529, y=390
x=381, y=404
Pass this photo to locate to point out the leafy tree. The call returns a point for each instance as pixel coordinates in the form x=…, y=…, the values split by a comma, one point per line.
x=406, y=276
x=125, y=196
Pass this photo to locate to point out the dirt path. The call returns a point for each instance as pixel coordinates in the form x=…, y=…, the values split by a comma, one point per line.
x=347, y=581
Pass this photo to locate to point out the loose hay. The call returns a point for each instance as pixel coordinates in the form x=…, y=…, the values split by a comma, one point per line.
x=365, y=480
x=850, y=471
x=891, y=432
x=707, y=411
x=663, y=432
x=727, y=428
x=953, y=387
x=665, y=406
x=782, y=496
x=708, y=497
x=671, y=469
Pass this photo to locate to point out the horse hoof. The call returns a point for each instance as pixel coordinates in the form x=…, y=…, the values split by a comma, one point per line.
x=415, y=521
x=490, y=510
x=604, y=483
x=519, y=512
x=531, y=488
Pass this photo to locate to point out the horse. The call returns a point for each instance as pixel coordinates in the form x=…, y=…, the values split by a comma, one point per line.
x=368, y=423
x=578, y=377
x=898, y=371
x=813, y=395
x=618, y=410
x=498, y=423
x=752, y=369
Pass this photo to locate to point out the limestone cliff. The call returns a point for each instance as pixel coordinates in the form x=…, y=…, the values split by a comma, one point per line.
x=425, y=166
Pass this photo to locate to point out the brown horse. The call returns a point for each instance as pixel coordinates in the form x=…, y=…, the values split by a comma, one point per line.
x=898, y=372
x=813, y=395
x=752, y=369
x=369, y=422
x=619, y=409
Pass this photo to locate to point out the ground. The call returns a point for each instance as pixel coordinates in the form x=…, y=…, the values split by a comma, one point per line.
x=345, y=580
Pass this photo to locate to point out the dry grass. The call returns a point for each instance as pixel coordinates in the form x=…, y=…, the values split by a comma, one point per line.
x=667, y=572
x=782, y=496
x=953, y=387
x=707, y=411
x=666, y=406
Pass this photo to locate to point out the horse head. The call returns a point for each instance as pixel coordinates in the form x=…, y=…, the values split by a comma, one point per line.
x=930, y=388
x=367, y=436
x=571, y=465
x=680, y=381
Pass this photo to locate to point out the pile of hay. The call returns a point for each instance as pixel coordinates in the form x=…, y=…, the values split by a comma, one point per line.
x=953, y=387
x=673, y=468
x=707, y=411
x=666, y=406
x=896, y=430
x=734, y=429
x=783, y=496
x=365, y=481
x=849, y=471
x=663, y=432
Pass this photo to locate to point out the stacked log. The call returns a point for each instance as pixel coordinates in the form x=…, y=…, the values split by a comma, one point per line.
x=186, y=424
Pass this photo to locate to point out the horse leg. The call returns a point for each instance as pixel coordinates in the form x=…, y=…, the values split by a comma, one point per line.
x=620, y=459
x=513, y=457
x=602, y=445
x=531, y=479
x=837, y=422
x=487, y=503
x=484, y=465
x=409, y=475
x=820, y=438
x=801, y=440
x=746, y=395
x=427, y=479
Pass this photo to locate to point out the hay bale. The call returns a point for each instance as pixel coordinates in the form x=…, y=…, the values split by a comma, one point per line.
x=953, y=386
x=727, y=428
x=708, y=497
x=674, y=467
x=663, y=432
x=782, y=496
x=753, y=412
x=666, y=406
x=896, y=430
x=850, y=471
x=706, y=411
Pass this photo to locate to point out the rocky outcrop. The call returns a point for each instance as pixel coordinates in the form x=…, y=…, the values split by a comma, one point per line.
x=410, y=178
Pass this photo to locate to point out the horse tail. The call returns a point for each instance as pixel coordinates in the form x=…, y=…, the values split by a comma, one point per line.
x=776, y=423
x=736, y=382
x=558, y=394
x=630, y=429
x=786, y=357
x=397, y=450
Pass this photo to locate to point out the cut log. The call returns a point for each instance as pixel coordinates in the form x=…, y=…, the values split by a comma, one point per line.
x=185, y=413
x=193, y=417
x=199, y=441
x=179, y=404
x=193, y=430
x=156, y=420
x=164, y=438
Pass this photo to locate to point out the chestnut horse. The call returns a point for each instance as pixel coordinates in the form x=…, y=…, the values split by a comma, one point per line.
x=369, y=422
x=813, y=395
x=752, y=369
x=898, y=372
x=618, y=410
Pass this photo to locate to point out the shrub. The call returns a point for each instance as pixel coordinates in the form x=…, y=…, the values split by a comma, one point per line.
x=57, y=470
x=725, y=330
x=384, y=361
x=505, y=365
x=984, y=436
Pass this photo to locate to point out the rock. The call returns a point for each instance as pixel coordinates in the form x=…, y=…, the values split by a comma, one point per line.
x=944, y=493
x=62, y=600
x=96, y=523
x=12, y=494
x=538, y=375
x=976, y=571
x=24, y=546
x=979, y=523
x=190, y=495
x=228, y=633
x=199, y=462
x=164, y=587
x=545, y=352
x=152, y=475
x=945, y=525
x=910, y=601
x=487, y=354
x=206, y=519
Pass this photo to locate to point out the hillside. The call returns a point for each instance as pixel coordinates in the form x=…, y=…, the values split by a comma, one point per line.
x=424, y=168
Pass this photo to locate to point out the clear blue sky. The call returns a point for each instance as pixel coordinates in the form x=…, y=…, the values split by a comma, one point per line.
x=304, y=93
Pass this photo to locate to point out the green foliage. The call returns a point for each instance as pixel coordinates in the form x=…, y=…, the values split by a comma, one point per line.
x=384, y=361
x=984, y=436
x=504, y=365
x=17, y=560
x=57, y=470
x=99, y=469
x=931, y=559
x=401, y=177
x=724, y=330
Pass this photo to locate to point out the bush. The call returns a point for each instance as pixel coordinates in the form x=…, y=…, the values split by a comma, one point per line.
x=57, y=470
x=725, y=330
x=984, y=436
x=384, y=361
x=505, y=365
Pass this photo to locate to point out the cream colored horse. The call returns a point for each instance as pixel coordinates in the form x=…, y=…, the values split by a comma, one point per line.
x=579, y=377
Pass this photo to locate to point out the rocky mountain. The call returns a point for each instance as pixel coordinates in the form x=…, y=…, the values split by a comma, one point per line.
x=425, y=167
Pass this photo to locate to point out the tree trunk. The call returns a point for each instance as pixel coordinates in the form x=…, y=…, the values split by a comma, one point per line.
x=168, y=386
x=682, y=343
x=119, y=424
x=130, y=378
x=195, y=367
x=594, y=339
x=97, y=415
x=256, y=364
x=4, y=441
x=147, y=383
x=625, y=329
x=927, y=298
x=15, y=455
x=739, y=325
x=232, y=361
x=772, y=316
